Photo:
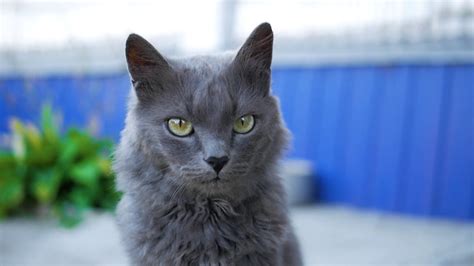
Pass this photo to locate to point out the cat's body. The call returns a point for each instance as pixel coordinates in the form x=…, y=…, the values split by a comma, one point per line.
x=180, y=208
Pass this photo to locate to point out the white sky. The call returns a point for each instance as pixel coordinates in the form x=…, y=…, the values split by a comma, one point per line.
x=34, y=24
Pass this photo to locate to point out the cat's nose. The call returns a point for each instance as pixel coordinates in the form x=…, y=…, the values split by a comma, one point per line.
x=217, y=162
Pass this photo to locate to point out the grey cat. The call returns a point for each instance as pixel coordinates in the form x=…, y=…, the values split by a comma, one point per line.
x=197, y=161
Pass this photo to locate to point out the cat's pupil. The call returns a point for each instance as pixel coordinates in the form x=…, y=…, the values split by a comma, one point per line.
x=180, y=122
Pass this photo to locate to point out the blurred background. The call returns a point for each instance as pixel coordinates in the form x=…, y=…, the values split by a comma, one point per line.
x=378, y=94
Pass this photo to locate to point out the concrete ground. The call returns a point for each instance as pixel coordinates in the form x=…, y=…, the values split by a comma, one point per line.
x=328, y=235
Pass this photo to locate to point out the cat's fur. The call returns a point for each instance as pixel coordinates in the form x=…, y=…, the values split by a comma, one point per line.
x=172, y=213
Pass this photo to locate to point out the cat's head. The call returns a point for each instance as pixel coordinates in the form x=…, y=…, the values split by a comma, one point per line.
x=210, y=121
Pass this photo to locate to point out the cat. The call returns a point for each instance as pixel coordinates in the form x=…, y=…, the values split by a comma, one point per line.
x=198, y=159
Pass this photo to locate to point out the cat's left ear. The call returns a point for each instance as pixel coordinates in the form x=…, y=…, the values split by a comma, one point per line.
x=255, y=56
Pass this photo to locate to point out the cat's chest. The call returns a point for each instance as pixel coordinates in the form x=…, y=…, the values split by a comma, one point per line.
x=216, y=231
x=209, y=221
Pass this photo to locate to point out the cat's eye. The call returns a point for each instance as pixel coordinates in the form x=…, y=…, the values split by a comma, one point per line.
x=179, y=127
x=244, y=124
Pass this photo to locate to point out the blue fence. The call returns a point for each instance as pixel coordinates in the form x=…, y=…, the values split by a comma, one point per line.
x=395, y=138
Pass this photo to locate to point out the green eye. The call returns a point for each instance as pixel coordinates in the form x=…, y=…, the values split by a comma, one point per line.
x=180, y=127
x=244, y=124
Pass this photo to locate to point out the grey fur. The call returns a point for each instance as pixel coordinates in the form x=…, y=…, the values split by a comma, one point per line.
x=172, y=213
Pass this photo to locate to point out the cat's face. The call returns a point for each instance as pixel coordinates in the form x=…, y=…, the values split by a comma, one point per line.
x=210, y=120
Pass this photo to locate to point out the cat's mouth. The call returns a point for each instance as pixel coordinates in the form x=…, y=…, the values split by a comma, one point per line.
x=215, y=180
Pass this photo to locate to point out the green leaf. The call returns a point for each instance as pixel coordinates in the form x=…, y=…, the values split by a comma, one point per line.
x=50, y=131
x=11, y=188
x=7, y=161
x=105, y=165
x=86, y=172
x=110, y=196
x=46, y=184
x=69, y=151
x=82, y=197
x=45, y=156
x=86, y=144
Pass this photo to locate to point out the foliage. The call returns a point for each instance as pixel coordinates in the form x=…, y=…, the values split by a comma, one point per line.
x=63, y=174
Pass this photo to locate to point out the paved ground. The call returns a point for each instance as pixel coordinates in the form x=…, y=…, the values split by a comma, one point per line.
x=336, y=236
x=329, y=236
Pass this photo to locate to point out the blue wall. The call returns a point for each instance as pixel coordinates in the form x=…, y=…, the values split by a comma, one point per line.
x=395, y=138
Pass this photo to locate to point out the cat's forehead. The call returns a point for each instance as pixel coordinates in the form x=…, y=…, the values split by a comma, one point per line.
x=203, y=65
x=206, y=83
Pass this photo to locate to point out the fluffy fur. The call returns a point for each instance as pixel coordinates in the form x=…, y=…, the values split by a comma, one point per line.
x=173, y=211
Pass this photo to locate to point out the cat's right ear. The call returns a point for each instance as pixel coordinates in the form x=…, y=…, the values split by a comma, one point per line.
x=147, y=67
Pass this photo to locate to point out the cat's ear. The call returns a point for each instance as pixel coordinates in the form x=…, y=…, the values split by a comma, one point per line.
x=258, y=47
x=147, y=67
x=255, y=55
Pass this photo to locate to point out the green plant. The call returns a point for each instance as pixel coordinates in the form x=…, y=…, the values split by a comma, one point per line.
x=64, y=174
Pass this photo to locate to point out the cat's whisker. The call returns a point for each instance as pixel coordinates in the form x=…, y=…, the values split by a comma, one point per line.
x=177, y=191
